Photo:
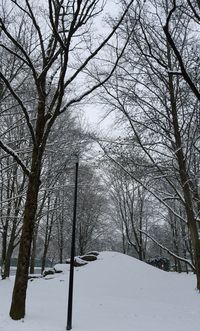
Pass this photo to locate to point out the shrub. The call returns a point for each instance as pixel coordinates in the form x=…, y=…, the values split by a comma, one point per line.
x=160, y=262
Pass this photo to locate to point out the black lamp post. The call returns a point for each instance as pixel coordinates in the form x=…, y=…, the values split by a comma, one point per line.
x=71, y=274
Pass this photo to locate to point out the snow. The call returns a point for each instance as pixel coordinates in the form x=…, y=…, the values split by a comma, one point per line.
x=113, y=293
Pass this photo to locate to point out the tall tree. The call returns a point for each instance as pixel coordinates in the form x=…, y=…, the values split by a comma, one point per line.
x=129, y=202
x=160, y=109
x=92, y=207
x=54, y=45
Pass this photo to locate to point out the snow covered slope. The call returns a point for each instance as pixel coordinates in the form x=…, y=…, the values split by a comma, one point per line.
x=114, y=293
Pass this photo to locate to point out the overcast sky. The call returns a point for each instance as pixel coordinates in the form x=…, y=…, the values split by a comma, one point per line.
x=94, y=113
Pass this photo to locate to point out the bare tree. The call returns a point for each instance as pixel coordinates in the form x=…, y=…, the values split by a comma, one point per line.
x=92, y=208
x=66, y=137
x=161, y=112
x=129, y=211
x=56, y=49
x=188, y=9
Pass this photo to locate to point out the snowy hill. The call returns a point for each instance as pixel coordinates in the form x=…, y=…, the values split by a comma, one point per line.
x=114, y=293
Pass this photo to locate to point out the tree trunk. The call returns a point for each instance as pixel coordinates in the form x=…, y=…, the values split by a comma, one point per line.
x=185, y=183
x=8, y=261
x=185, y=256
x=17, y=310
x=44, y=257
x=48, y=230
x=33, y=251
x=61, y=254
x=4, y=248
x=179, y=267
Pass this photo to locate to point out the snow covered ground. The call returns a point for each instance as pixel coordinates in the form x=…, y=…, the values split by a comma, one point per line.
x=114, y=293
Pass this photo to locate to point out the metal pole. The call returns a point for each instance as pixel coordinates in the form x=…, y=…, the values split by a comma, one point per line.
x=71, y=275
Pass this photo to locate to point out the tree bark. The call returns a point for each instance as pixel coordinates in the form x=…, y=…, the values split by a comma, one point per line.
x=17, y=310
x=33, y=251
x=44, y=257
x=185, y=183
x=4, y=249
x=8, y=260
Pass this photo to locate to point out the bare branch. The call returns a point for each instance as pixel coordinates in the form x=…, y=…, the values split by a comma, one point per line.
x=197, y=16
x=20, y=102
x=148, y=189
x=97, y=50
x=177, y=53
x=11, y=152
x=37, y=28
x=18, y=46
